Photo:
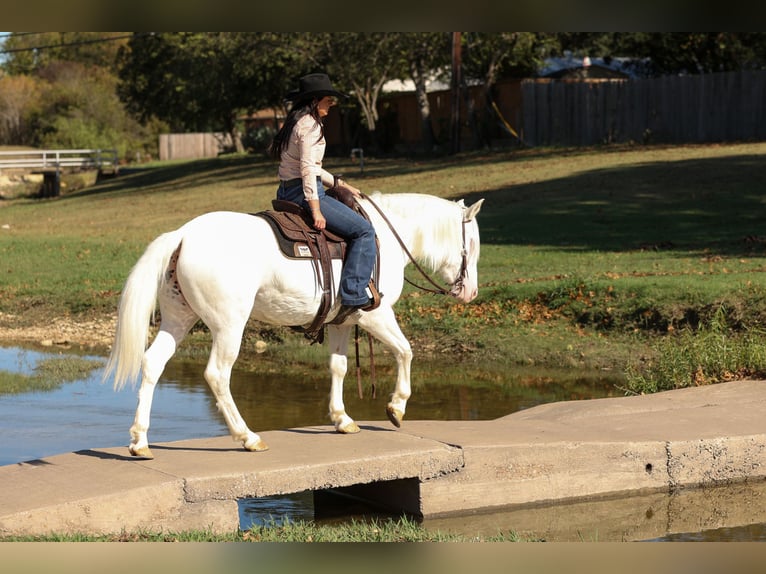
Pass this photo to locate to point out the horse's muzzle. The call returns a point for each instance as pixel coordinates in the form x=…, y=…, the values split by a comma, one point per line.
x=464, y=291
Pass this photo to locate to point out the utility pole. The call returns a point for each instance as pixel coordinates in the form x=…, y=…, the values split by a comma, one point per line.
x=457, y=80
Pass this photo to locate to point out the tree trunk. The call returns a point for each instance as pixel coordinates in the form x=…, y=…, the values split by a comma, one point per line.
x=424, y=107
x=457, y=73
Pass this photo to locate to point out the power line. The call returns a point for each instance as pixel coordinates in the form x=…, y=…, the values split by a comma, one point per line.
x=64, y=44
x=9, y=34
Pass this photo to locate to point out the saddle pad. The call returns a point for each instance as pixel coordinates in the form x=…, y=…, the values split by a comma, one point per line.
x=294, y=235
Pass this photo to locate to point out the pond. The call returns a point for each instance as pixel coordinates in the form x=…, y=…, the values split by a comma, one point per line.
x=87, y=414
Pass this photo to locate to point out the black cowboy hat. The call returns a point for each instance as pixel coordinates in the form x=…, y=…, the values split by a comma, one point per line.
x=314, y=86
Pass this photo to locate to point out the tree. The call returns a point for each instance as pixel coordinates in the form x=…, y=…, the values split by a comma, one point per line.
x=29, y=52
x=79, y=108
x=491, y=56
x=203, y=81
x=703, y=52
x=19, y=97
x=358, y=62
x=426, y=56
x=674, y=52
x=60, y=91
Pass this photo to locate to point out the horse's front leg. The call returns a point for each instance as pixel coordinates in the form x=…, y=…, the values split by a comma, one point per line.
x=382, y=325
x=338, y=343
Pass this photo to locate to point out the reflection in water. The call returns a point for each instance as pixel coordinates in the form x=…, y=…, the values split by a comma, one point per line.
x=715, y=513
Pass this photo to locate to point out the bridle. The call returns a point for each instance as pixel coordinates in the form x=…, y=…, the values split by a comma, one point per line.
x=439, y=290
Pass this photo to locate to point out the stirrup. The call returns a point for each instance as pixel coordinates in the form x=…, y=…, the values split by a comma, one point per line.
x=345, y=310
x=374, y=295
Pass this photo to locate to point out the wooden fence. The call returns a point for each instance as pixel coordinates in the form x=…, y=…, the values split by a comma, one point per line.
x=719, y=107
x=192, y=146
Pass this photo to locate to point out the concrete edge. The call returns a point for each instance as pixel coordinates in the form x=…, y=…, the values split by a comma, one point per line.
x=510, y=476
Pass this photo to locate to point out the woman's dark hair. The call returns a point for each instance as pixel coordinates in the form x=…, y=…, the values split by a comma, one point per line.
x=297, y=111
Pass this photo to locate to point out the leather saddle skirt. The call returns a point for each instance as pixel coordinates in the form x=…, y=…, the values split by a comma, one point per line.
x=296, y=235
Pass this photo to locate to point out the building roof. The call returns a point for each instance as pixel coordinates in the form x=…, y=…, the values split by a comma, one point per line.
x=569, y=66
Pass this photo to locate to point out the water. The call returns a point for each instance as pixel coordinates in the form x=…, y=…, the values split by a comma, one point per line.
x=87, y=414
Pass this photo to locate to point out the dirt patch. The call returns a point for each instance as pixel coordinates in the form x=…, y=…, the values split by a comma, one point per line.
x=64, y=332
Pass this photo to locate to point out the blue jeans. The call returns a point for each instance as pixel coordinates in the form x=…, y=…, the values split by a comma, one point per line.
x=355, y=229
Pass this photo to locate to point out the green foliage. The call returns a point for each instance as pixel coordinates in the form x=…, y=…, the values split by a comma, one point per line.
x=257, y=140
x=203, y=81
x=711, y=354
x=674, y=52
x=195, y=81
x=30, y=53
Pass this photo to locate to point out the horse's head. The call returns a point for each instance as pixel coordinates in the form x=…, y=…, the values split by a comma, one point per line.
x=465, y=285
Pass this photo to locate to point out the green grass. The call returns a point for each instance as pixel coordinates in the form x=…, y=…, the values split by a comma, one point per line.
x=589, y=256
x=399, y=530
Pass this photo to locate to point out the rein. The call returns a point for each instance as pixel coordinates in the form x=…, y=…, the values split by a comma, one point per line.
x=439, y=289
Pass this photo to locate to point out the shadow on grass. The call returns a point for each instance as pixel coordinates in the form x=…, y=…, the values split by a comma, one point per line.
x=177, y=177
x=715, y=205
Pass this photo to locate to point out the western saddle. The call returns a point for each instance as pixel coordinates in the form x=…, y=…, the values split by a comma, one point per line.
x=298, y=239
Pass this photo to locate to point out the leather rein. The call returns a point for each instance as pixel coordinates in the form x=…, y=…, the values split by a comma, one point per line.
x=439, y=290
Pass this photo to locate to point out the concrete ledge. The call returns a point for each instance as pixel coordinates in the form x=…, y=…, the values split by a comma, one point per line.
x=524, y=474
x=195, y=484
x=603, y=448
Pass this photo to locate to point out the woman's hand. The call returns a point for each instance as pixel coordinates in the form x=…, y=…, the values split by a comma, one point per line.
x=319, y=221
x=343, y=184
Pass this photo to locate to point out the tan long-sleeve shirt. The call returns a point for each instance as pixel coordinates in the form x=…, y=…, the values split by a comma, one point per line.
x=303, y=157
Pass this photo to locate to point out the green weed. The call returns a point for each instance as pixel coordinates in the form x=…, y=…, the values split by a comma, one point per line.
x=713, y=353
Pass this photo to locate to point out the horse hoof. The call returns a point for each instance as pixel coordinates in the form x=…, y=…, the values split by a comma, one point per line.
x=395, y=416
x=143, y=452
x=350, y=428
x=258, y=446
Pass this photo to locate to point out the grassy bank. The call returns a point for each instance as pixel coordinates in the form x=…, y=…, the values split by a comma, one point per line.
x=390, y=530
x=607, y=258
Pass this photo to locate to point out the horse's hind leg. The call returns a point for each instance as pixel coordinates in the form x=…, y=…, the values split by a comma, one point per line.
x=172, y=330
x=224, y=352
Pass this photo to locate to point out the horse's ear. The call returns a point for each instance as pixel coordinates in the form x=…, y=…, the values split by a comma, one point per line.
x=470, y=212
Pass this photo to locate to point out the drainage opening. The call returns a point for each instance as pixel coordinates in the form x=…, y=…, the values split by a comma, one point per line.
x=377, y=500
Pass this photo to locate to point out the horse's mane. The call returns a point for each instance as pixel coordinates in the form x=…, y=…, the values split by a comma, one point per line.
x=431, y=222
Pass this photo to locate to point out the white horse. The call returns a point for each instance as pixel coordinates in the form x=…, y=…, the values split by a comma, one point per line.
x=226, y=268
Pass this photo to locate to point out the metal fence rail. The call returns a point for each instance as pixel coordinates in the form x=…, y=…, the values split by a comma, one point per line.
x=55, y=159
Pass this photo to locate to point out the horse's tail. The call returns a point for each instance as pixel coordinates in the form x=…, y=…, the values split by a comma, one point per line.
x=137, y=304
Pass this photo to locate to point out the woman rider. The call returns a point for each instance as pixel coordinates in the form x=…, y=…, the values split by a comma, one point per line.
x=299, y=146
